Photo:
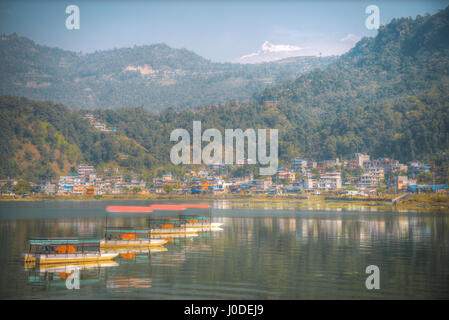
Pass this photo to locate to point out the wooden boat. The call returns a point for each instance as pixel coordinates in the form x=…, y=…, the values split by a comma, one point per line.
x=129, y=237
x=65, y=250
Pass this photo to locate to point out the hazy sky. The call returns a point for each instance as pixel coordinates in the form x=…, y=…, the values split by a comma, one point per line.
x=217, y=30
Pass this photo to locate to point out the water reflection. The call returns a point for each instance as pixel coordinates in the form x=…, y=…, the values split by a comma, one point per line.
x=259, y=254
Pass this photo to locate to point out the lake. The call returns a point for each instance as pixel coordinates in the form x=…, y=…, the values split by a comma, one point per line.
x=262, y=252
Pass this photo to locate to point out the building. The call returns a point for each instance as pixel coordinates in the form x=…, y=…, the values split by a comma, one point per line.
x=415, y=168
x=284, y=174
x=373, y=176
x=85, y=170
x=389, y=165
x=330, y=163
x=403, y=182
x=330, y=181
x=309, y=184
x=261, y=185
x=299, y=165
x=49, y=188
x=361, y=158
x=311, y=165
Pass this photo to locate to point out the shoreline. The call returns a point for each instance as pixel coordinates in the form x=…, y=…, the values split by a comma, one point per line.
x=418, y=202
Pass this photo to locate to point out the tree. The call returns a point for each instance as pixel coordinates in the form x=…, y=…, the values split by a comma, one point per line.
x=168, y=188
x=137, y=190
x=22, y=187
x=6, y=187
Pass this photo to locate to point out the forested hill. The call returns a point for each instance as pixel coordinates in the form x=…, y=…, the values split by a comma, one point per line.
x=42, y=140
x=389, y=96
x=154, y=76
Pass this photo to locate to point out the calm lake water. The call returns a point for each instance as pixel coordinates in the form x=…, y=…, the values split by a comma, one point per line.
x=262, y=253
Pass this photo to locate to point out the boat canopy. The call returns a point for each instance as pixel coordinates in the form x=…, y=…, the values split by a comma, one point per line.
x=166, y=223
x=203, y=220
x=53, y=241
x=126, y=233
x=63, y=245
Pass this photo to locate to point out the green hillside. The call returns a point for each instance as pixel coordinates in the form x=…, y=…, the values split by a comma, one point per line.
x=389, y=96
x=42, y=140
x=155, y=77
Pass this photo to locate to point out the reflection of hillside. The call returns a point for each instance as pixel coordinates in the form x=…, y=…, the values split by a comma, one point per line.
x=368, y=227
x=283, y=204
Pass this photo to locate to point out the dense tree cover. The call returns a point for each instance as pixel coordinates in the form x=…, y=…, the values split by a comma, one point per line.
x=42, y=140
x=110, y=79
x=388, y=96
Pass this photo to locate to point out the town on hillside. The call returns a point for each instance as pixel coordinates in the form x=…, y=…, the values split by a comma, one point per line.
x=360, y=176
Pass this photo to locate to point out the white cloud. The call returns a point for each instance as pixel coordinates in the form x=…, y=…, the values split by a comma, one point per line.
x=350, y=38
x=270, y=52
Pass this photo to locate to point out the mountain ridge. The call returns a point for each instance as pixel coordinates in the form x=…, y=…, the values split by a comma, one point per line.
x=154, y=76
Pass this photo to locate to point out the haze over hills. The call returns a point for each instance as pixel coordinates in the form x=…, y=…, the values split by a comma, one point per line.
x=156, y=76
x=388, y=96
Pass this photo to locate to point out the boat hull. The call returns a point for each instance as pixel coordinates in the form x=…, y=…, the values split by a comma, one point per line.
x=204, y=226
x=132, y=243
x=174, y=232
x=68, y=258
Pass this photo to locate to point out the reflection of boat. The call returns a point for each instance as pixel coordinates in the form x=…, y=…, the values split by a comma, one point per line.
x=123, y=251
x=129, y=237
x=123, y=282
x=68, y=268
x=58, y=250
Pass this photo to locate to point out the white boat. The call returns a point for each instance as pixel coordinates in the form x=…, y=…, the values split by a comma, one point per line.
x=44, y=258
x=203, y=226
x=65, y=250
x=132, y=243
x=128, y=237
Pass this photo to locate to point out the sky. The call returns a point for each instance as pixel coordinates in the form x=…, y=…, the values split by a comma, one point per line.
x=222, y=31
